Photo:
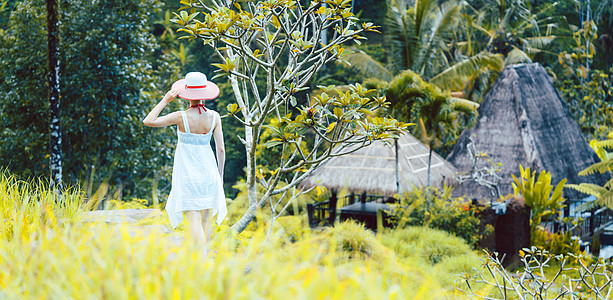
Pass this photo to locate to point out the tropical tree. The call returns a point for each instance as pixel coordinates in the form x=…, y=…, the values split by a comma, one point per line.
x=53, y=81
x=603, y=194
x=106, y=56
x=420, y=37
x=279, y=40
x=510, y=28
x=435, y=112
x=586, y=90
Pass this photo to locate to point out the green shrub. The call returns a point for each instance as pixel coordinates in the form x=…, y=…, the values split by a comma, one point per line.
x=430, y=248
x=352, y=240
x=453, y=215
x=293, y=228
x=555, y=243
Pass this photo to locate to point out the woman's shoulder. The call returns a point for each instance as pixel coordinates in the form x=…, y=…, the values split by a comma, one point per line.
x=214, y=113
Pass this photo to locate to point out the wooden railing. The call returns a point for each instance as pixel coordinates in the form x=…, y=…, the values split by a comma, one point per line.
x=322, y=213
x=595, y=219
x=363, y=198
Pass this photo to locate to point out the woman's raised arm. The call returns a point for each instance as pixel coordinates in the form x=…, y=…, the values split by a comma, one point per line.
x=152, y=119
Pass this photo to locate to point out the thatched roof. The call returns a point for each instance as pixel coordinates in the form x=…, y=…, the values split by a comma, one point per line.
x=523, y=120
x=373, y=168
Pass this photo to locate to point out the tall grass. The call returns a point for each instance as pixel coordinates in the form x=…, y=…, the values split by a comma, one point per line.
x=29, y=208
x=46, y=252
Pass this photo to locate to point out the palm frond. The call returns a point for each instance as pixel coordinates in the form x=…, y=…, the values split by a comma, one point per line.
x=538, y=41
x=401, y=32
x=516, y=56
x=454, y=77
x=588, y=188
x=376, y=84
x=442, y=21
x=488, y=32
x=463, y=105
x=604, y=144
x=606, y=199
x=368, y=65
x=600, y=167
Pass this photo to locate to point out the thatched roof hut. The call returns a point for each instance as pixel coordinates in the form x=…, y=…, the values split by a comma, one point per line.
x=373, y=168
x=523, y=120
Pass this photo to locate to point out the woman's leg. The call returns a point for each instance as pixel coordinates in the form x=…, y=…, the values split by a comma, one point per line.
x=194, y=220
x=206, y=225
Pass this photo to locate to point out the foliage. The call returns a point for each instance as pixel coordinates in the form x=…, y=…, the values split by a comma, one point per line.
x=537, y=192
x=69, y=259
x=603, y=194
x=445, y=213
x=289, y=52
x=544, y=204
x=106, y=52
x=27, y=208
x=555, y=243
x=132, y=204
x=418, y=34
x=512, y=28
x=350, y=240
x=431, y=248
x=575, y=277
x=586, y=91
x=440, y=117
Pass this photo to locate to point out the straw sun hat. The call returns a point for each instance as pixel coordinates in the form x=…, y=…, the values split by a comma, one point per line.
x=195, y=86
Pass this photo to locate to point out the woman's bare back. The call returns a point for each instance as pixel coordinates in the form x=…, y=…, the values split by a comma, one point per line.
x=199, y=123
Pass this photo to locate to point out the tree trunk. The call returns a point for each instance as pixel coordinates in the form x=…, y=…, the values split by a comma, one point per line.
x=250, y=145
x=429, y=195
x=249, y=215
x=429, y=163
x=397, y=167
x=55, y=144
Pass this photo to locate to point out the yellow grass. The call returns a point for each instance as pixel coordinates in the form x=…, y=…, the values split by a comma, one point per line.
x=46, y=252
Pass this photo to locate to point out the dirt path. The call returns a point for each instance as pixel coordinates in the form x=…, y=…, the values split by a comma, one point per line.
x=132, y=217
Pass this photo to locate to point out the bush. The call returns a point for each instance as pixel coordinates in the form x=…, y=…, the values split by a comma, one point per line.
x=431, y=248
x=293, y=228
x=555, y=243
x=453, y=215
x=351, y=240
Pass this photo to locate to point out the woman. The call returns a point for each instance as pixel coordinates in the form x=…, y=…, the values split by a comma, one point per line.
x=197, y=187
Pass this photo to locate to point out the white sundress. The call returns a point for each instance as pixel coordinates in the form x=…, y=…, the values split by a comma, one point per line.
x=196, y=184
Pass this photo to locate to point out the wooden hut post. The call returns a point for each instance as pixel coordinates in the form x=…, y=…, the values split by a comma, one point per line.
x=397, y=168
x=363, y=197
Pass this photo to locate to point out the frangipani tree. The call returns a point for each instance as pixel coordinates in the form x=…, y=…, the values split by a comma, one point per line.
x=281, y=42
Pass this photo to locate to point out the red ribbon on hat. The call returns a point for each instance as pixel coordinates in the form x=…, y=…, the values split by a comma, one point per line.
x=187, y=87
x=199, y=105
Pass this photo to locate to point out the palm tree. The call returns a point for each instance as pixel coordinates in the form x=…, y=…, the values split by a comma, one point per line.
x=419, y=37
x=409, y=95
x=509, y=27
